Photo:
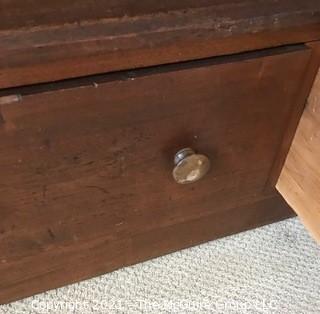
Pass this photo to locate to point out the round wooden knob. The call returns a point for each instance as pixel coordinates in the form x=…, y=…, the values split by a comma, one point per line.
x=189, y=166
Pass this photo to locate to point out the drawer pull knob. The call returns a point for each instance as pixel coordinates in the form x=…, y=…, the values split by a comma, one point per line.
x=189, y=166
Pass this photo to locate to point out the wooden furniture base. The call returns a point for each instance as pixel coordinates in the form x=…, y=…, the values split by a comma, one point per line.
x=98, y=256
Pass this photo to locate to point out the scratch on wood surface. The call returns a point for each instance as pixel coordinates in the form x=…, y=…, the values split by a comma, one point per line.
x=44, y=191
x=10, y=99
x=97, y=188
x=51, y=234
x=6, y=100
x=1, y=119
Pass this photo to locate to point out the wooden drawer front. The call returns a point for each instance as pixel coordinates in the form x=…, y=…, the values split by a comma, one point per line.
x=86, y=172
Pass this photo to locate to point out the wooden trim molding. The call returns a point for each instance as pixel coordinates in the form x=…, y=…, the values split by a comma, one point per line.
x=84, y=41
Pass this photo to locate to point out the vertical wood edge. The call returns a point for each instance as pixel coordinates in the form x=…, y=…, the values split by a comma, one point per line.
x=299, y=181
x=294, y=118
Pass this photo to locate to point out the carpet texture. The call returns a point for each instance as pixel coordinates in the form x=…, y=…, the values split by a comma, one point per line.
x=273, y=269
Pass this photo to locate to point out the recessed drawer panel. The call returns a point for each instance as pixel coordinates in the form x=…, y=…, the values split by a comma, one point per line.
x=86, y=165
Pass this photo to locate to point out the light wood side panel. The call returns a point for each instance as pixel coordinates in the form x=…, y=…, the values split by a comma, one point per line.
x=299, y=182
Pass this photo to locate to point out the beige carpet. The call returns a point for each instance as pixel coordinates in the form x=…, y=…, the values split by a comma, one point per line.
x=274, y=269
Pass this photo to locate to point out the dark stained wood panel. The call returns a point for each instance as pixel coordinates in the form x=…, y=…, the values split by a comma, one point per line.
x=86, y=171
x=18, y=14
x=39, y=44
x=27, y=13
x=56, y=268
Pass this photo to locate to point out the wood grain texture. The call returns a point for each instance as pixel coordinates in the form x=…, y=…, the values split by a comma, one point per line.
x=292, y=123
x=59, y=267
x=20, y=14
x=39, y=43
x=86, y=170
x=299, y=182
